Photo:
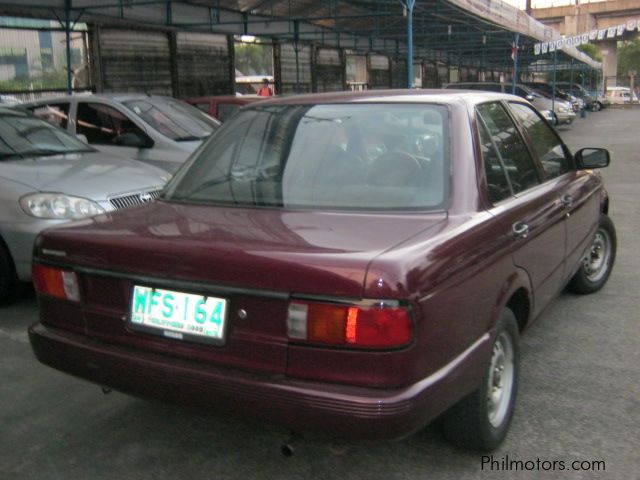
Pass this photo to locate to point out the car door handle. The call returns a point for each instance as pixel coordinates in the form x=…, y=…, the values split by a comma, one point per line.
x=520, y=229
x=567, y=201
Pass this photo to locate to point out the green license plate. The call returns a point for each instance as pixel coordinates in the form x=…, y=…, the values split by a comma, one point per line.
x=179, y=315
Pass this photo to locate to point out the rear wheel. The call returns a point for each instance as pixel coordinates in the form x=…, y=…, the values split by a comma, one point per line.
x=598, y=262
x=481, y=420
x=8, y=279
x=596, y=106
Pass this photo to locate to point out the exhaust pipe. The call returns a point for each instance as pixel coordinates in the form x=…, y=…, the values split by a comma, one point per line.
x=288, y=447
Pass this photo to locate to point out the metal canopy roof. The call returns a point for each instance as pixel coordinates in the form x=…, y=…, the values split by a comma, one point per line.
x=475, y=33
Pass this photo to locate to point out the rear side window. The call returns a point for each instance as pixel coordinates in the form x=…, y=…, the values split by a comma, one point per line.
x=498, y=187
x=203, y=107
x=226, y=110
x=510, y=146
x=544, y=141
x=56, y=114
x=102, y=125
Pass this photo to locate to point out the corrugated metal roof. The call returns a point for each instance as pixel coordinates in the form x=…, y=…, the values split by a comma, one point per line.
x=474, y=33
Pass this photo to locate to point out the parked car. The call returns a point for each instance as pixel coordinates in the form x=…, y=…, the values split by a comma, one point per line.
x=48, y=177
x=621, y=95
x=550, y=91
x=595, y=100
x=8, y=100
x=161, y=131
x=563, y=113
x=355, y=263
x=222, y=107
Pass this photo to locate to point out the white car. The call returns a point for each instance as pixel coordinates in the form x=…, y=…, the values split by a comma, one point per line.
x=621, y=95
x=48, y=177
x=161, y=131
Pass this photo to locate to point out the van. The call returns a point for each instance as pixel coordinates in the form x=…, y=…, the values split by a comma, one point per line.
x=620, y=95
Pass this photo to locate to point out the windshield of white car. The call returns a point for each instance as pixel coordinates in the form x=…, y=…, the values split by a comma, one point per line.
x=338, y=157
x=24, y=136
x=174, y=119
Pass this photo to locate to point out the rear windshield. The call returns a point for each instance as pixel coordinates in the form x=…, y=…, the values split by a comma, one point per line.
x=348, y=156
x=173, y=118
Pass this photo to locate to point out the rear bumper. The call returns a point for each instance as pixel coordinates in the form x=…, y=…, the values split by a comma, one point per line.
x=344, y=411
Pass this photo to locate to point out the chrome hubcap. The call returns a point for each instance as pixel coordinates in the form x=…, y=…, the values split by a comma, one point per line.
x=596, y=262
x=500, y=381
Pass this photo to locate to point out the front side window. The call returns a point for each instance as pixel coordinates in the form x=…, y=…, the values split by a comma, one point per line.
x=353, y=156
x=544, y=141
x=102, y=125
x=513, y=151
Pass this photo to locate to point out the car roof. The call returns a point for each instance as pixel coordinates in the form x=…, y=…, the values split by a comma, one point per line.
x=115, y=97
x=440, y=96
x=225, y=98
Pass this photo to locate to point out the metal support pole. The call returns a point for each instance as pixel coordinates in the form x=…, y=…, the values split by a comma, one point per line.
x=571, y=77
x=296, y=49
x=409, y=4
x=67, y=32
x=514, y=54
x=553, y=83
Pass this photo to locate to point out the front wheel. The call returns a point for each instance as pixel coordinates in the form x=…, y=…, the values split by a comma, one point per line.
x=598, y=261
x=8, y=278
x=481, y=420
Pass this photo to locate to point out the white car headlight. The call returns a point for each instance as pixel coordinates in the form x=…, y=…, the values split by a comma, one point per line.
x=59, y=206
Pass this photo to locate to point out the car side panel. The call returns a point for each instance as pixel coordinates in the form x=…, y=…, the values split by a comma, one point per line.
x=582, y=192
x=541, y=252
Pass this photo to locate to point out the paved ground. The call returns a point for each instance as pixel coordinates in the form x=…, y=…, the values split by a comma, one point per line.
x=579, y=397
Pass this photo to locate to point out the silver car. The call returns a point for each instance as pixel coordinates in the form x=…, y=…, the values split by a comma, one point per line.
x=561, y=110
x=161, y=131
x=48, y=177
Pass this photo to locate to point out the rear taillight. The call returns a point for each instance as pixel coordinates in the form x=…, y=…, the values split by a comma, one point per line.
x=376, y=325
x=56, y=282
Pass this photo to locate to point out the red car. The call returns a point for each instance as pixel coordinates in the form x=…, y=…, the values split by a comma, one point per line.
x=354, y=263
x=222, y=107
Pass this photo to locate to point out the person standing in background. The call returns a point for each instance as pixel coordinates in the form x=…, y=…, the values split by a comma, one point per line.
x=265, y=90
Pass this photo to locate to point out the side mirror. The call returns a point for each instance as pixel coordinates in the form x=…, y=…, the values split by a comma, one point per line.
x=529, y=97
x=82, y=137
x=587, y=158
x=134, y=139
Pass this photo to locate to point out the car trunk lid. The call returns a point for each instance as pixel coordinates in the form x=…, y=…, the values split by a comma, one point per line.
x=254, y=259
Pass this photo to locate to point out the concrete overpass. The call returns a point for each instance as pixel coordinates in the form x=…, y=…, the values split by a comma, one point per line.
x=585, y=17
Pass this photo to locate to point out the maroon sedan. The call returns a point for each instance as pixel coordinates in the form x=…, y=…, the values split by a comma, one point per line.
x=222, y=107
x=351, y=263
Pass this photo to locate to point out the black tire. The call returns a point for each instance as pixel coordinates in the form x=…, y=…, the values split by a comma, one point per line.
x=597, y=264
x=596, y=106
x=476, y=423
x=8, y=278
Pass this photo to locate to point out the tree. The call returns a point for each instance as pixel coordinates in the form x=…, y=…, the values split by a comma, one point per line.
x=628, y=58
x=254, y=58
x=579, y=76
